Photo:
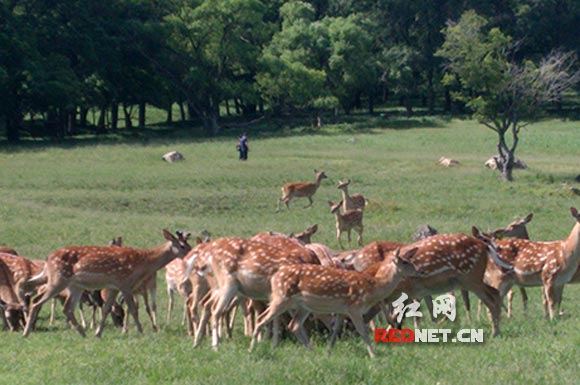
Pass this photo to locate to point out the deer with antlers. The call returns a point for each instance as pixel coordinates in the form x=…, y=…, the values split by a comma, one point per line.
x=300, y=190
x=120, y=269
x=547, y=264
x=350, y=202
x=311, y=288
x=346, y=221
x=454, y=261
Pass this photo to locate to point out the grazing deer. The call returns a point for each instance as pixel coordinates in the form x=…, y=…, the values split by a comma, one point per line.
x=547, y=264
x=117, y=268
x=21, y=269
x=453, y=261
x=12, y=310
x=300, y=190
x=311, y=288
x=346, y=221
x=350, y=202
x=240, y=267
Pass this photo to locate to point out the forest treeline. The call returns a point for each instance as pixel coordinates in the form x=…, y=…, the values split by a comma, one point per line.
x=60, y=60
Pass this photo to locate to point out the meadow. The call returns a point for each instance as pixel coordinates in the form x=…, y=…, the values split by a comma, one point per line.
x=54, y=195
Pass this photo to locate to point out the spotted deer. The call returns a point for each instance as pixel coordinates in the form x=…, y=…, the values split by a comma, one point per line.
x=453, y=261
x=300, y=190
x=120, y=269
x=240, y=267
x=21, y=270
x=346, y=221
x=547, y=264
x=311, y=288
x=8, y=250
x=350, y=202
x=12, y=311
x=177, y=282
x=515, y=229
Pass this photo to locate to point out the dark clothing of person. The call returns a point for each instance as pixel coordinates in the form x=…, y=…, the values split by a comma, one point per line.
x=243, y=147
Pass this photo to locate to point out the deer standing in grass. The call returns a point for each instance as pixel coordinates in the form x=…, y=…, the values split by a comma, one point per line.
x=300, y=190
x=318, y=289
x=453, y=261
x=350, y=202
x=346, y=221
x=515, y=229
x=120, y=269
x=547, y=264
x=240, y=267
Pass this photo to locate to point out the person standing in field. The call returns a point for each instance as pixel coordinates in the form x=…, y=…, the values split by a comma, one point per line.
x=243, y=147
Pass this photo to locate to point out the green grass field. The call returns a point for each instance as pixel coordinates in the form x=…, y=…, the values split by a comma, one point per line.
x=57, y=195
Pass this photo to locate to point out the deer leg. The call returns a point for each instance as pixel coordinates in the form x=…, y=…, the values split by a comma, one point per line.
x=524, y=298
x=338, y=321
x=225, y=295
x=491, y=298
x=151, y=310
x=69, y=309
x=310, y=204
x=348, y=236
x=510, y=300
x=106, y=309
x=296, y=326
x=170, y=294
x=429, y=302
x=207, y=304
x=277, y=307
x=545, y=303
x=132, y=308
x=361, y=328
x=52, y=311
x=51, y=291
x=338, y=234
x=360, y=231
x=559, y=291
x=467, y=303
x=82, y=314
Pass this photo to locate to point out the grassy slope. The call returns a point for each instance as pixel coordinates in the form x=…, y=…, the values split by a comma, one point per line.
x=54, y=196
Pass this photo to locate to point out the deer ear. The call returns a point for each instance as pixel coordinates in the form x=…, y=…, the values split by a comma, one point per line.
x=314, y=228
x=410, y=254
x=529, y=218
x=475, y=231
x=198, y=240
x=168, y=235
x=574, y=212
x=330, y=203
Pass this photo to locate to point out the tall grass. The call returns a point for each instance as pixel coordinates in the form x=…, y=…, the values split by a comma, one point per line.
x=57, y=195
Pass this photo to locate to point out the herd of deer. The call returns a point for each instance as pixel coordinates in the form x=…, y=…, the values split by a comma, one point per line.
x=289, y=280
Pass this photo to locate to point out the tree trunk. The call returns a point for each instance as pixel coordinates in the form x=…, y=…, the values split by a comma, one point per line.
x=83, y=118
x=182, y=112
x=169, y=119
x=114, y=116
x=127, y=113
x=101, y=122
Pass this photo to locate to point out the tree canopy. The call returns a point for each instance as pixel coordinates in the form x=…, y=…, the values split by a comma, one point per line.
x=59, y=61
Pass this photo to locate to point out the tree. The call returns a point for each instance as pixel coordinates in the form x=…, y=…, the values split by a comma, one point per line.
x=503, y=94
x=217, y=43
